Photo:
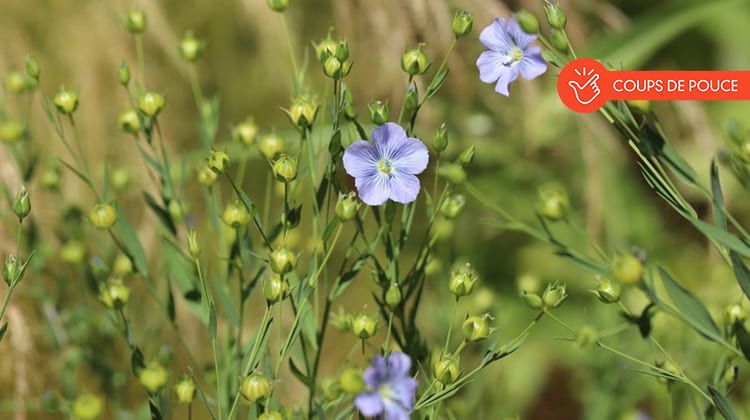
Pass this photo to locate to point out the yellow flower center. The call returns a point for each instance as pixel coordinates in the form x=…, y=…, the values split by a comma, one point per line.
x=385, y=166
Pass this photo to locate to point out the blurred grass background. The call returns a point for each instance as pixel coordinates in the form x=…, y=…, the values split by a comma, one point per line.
x=522, y=142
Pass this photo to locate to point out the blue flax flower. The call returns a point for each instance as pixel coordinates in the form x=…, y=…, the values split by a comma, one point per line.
x=391, y=388
x=509, y=55
x=387, y=169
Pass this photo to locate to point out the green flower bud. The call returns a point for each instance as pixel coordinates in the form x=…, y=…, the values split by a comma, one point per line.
x=607, y=290
x=476, y=328
x=627, y=269
x=559, y=40
x=22, y=204
x=185, y=390
x=529, y=283
x=452, y=206
x=245, y=132
x=114, y=294
x=12, y=131
x=467, y=156
x=341, y=321
x=351, y=381
x=122, y=266
x=271, y=415
x=103, y=216
x=51, y=176
x=10, y=269
x=282, y=260
x=671, y=370
x=411, y=101
x=440, y=142
x=66, y=101
x=364, y=326
x=463, y=281
x=532, y=300
x=194, y=248
x=271, y=145
x=332, y=67
x=129, y=122
x=393, y=296
x=87, y=407
x=153, y=377
x=303, y=111
x=414, y=61
x=255, y=388
x=206, y=176
x=17, y=82
x=275, y=288
x=555, y=16
x=446, y=370
x=191, y=48
x=120, y=179
x=342, y=51
x=135, y=21
x=553, y=202
x=236, y=215
x=453, y=172
x=462, y=23
x=73, y=252
x=347, y=207
x=32, y=67
x=729, y=378
x=378, y=112
x=641, y=105
x=177, y=210
x=326, y=48
x=734, y=313
x=278, y=5
x=586, y=336
x=123, y=74
x=331, y=389
x=151, y=104
x=443, y=229
x=285, y=168
x=218, y=161
x=527, y=21
x=554, y=295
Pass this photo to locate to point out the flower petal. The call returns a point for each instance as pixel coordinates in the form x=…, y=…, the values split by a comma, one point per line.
x=398, y=365
x=386, y=138
x=404, y=187
x=491, y=65
x=373, y=189
x=360, y=159
x=411, y=156
x=520, y=38
x=394, y=411
x=369, y=404
x=375, y=374
x=506, y=79
x=403, y=392
x=532, y=65
x=495, y=37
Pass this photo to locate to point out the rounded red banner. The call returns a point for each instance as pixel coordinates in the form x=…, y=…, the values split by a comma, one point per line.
x=585, y=85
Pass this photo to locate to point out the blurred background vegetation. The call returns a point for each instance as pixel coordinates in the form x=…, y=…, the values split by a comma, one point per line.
x=522, y=142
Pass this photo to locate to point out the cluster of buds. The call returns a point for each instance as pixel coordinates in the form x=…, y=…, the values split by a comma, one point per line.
x=255, y=387
x=551, y=298
x=334, y=56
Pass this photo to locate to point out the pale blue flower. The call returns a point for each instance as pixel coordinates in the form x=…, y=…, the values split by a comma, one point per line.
x=509, y=55
x=391, y=388
x=387, y=168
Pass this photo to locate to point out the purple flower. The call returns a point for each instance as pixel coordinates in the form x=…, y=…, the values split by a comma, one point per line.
x=509, y=54
x=391, y=388
x=387, y=169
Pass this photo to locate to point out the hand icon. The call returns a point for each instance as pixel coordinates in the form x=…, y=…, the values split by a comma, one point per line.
x=586, y=93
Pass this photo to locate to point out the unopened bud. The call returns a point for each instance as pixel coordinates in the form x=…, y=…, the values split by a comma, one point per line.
x=347, y=207
x=452, y=206
x=123, y=74
x=135, y=21
x=122, y=266
x=393, y=296
x=129, y=122
x=462, y=23
x=532, y=300
x=607, y=290
x=12, y=131
x=555, y=16
x=559, y=40
x=351, y=381
x=194, y=248
x=66, y=101
x=206, y=176
x=245, y=132
x=463, y=281
x=255, y=388
x=236, y=215
x=378, y=112
x=414, y=61
x=103, y=216
x=364, y=326
x=114, y=294
x=271, y=415
x=191, y=48
x=278, y=5
x=153, y=377
x=326, y=48
x=527, y=21
x=151, y=104
x=411, y=100
x=185, y=390
x=453, y=172
x=446, y=370
x=627, y=269
x=285, y=168
x=275, y=288
x=554, y=295
x=10, y=269
x=22, y=204
x=587, y=336
x=553, y=202
x=87, y=407
x=734, y=313
x=303, y=111
x=440, y=142
x=282, y=260
x=467, y=156
x=332, y=67
x=218, y=161
x=476, y=328
x=32, y=67
x=270, y=145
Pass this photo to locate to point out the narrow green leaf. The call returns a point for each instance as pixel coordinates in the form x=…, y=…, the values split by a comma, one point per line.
x=741, y=272
x=723, y=237
x=131, y=242
x=171, y=311
x=720, y=219
x=722, y=404
x=743, y=339
x=690, y=308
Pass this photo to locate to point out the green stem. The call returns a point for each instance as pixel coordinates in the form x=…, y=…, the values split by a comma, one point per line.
x=208, y=299
x=450, y=326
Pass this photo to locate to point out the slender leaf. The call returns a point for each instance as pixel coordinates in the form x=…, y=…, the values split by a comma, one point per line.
x=722, y=404
x=743, y=339
x=720, y=218
x=741, y=272
x=690, y=308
